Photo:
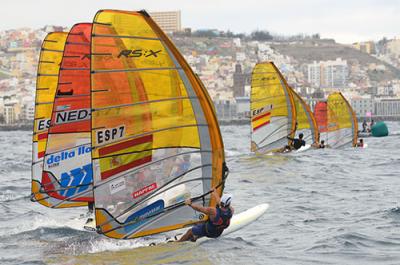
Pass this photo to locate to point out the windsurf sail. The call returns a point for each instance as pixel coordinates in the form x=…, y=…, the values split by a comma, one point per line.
x=272, y=109
x=46, y=84
x=336, y=121
x=340, y=110
x=67, y=170
x=155, y=136
x=306, y=122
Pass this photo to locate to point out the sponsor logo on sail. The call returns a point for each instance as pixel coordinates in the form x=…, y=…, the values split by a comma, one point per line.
x=117, y=186
x=144, y=190
x=76, y=180
x=139, y=53
x=140, y=217
x=54, y=160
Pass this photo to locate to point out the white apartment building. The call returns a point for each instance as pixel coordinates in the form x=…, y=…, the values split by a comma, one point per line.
x=387, y=107
x=329, y=74
x=10, y=116
x=362, y=105
x=314, y=74
x=169, y=21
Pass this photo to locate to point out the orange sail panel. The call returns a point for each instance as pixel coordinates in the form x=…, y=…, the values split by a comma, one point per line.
x=67, y=168
x=46, y=84
x=155, y=137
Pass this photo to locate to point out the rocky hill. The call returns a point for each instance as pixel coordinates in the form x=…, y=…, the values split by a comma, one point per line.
x=321, y=50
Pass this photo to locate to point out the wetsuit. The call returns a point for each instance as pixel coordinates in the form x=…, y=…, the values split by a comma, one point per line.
x=297, y=143
x=214, y=228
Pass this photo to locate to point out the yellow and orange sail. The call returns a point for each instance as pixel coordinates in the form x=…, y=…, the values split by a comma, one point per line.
x=337, y=121
x=155, y=136
x=272, y=109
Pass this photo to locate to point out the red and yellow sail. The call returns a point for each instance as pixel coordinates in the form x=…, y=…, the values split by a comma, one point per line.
x=336, y=121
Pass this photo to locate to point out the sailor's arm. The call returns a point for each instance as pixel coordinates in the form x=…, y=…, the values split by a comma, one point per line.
x=210, y=211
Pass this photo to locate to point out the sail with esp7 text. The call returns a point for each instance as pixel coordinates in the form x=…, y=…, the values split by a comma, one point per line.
x=155, y=136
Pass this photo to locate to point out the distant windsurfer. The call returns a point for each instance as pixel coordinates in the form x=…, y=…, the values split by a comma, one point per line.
x=372, y=123
x=321, y=145
x=360, y=143
x=297, y=143
x=364, y=126
x=218, y=218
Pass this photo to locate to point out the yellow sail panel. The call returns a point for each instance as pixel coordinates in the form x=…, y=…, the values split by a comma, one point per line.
x=155, y=137
x=46, y=84
x=272, y=110
x=341, y=127
x=306, y=122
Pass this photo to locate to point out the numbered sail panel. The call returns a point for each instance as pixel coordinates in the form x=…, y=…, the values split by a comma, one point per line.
x=341, y=113
x=155, y=136
x=67, y=169
x=272, y=109
x=46, y=85
x=305, y=119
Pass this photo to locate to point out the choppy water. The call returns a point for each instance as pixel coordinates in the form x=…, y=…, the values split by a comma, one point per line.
x=326, y=207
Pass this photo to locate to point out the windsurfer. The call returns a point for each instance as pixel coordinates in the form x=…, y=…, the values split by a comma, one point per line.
x=372, y=123
x=219, y=218
x=297, y=143
x=364, y=126
x=360, y=143
x=321, y=145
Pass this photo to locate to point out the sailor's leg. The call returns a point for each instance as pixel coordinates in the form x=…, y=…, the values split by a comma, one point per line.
x=187, y=236
x=91, y=207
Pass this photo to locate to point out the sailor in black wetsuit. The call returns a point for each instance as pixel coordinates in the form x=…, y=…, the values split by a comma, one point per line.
x=298, y=142
x=218, y=218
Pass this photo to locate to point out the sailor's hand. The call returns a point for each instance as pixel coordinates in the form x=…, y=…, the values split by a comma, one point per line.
x=188, y=202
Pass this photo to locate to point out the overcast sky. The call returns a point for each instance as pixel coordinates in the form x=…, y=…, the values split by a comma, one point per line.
x=345, y=20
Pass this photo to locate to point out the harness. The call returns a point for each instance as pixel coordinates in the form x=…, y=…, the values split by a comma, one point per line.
x=221, y=221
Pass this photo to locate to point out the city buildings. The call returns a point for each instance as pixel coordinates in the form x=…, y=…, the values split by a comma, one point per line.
x=224, y=64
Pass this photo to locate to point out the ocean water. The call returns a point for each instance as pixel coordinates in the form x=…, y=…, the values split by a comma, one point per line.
x=326, y=207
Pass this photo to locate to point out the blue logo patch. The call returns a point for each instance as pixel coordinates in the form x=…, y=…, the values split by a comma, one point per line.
x=142, y=216
x=82, y=177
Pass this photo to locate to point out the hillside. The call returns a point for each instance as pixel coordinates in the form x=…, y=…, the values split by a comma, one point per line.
x=309, y=51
